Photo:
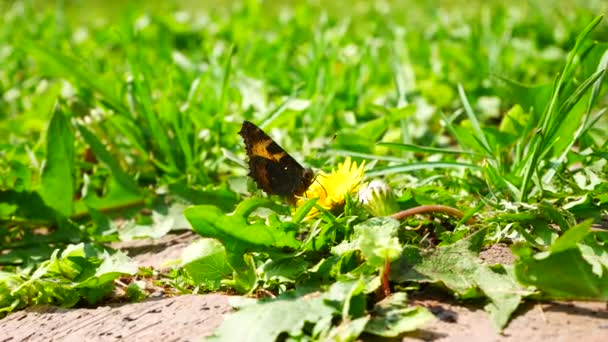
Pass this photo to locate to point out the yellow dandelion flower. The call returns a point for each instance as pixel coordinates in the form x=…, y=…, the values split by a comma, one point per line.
x=332, y=188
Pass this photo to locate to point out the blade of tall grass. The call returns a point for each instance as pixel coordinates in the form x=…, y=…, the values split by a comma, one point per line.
x=474, y=122
x=104, y=156
x=551, y=115
x=222, y=102
x=587, y=122
x=425, y=149
x=418, y=166
x=138, y=89
x=369, y=156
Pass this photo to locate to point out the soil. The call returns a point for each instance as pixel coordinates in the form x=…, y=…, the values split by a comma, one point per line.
x=191, y=317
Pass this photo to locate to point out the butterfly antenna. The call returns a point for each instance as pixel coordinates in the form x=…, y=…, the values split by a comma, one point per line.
x=321, y=185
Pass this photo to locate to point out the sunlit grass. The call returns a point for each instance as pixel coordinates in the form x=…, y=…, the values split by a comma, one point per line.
x=115, y=117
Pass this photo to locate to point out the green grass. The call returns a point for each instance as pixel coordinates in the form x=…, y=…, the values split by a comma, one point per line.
x=114, y=118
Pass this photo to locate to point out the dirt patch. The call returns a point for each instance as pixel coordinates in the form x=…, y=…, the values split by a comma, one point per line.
x=499, y=253
x=156, y=252
x=554, y=321
x=190, y=317
x=183, y=318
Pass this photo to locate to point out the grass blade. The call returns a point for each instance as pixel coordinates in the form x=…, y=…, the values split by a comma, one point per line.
x=425, y=149
x=418, y=166
x=474, y=122
x=104, y=156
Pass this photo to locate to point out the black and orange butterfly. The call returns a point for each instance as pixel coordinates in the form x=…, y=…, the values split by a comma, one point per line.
x=273, y=169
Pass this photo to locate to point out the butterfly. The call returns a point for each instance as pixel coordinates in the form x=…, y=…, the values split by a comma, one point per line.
x=273, y=169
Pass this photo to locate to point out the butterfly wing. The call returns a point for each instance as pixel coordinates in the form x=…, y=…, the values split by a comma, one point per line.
x=273, y=170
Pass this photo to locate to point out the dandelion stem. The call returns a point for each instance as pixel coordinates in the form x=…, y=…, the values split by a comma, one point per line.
x=431, y=209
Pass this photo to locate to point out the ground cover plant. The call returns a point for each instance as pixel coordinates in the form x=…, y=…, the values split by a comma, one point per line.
x=434, y=132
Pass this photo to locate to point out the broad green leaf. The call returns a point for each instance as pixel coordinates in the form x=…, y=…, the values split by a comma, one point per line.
x=504, y=293
x=26, y=205
x=458, y=268
x=372, y=129
x=394, y=316
x=347, y=330
x=210, y=221
x=220, y=196
x=206, y=264
x=454, y=265
x=116, y=197
x=161, y=226
x=531, y=98
x=112, y=266
x=377, y=240
x=564, y=274
x=571, y=237
x=597, y=256
x=265, y=321
x=57, y=187
x=514, y=121
x=240, y=238
x=285, y=270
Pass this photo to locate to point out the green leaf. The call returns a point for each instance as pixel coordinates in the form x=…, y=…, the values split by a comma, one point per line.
x=80, y=272
x=458, y=268
x=454, y=265
x=285, y=270
x=347, y=330
x=210, y=221
x=596, y=255
x=265, y=321
x=514, y=121
x=161, y=225
x=393, y=316
x=57, y=187
x=571, y=237
x=240, y=238
x=26, y=205
x=377, y=240
x=205, y=262
x=504, y=293
x=564, y=273
x=218, y=195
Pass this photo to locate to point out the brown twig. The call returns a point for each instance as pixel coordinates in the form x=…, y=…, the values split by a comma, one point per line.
x=385, y=281
x=432, y=209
